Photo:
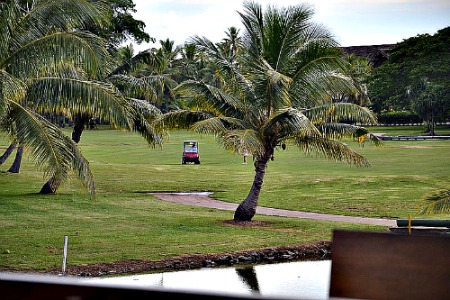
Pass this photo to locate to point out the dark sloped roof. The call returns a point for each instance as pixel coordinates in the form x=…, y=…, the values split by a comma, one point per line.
x=376, y=54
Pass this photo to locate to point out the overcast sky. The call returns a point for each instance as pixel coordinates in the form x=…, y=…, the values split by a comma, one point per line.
x=353, y=22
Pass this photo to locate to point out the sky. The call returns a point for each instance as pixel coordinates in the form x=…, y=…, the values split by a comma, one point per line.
x=352, y=22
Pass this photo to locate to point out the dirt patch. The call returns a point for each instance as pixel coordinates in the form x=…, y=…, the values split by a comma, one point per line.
x=417, y=147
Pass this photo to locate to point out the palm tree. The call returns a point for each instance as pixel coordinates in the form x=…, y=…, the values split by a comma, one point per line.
x=7, y=153
x=47, y=65
x=232, y=42
x=191, y=64
x=359, y=69
x=278, y=93
x=151, y=75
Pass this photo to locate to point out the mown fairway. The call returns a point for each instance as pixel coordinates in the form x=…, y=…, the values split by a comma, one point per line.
x=125, y=222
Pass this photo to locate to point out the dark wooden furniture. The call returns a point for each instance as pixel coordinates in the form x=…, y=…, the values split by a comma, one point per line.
x=383, y=265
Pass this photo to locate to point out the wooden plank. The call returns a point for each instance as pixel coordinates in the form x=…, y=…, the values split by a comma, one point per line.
x=379, y=265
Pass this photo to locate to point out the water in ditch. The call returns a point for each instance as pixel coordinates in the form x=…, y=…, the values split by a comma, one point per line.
x=301, y=280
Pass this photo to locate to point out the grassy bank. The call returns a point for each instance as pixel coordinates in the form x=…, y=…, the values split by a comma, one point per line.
x=126, y=222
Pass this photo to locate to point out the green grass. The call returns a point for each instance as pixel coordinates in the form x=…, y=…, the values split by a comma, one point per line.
x=125, y=222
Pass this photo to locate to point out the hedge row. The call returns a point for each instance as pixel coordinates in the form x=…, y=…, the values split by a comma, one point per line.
x=398, y=117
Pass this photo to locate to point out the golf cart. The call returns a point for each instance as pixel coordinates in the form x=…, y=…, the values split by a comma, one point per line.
x=190, y=152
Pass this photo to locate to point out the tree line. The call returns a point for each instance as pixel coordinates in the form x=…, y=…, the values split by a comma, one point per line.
x=415, y=79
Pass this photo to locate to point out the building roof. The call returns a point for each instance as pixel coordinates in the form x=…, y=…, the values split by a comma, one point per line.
x=376, y=54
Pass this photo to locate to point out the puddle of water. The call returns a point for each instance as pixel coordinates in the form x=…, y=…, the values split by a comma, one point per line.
x=301, y=280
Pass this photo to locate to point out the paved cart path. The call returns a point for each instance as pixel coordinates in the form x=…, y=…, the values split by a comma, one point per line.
x=203, y=200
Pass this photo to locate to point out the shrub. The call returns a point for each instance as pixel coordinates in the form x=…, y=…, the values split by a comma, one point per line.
x=398, y=117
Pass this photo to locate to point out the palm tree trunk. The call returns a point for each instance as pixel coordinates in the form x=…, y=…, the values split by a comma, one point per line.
x=15, y=168
x=7, y=153
x=78, y=128
x=77, y=131
x=50, y=187
x=432, y=133
x=247, y=209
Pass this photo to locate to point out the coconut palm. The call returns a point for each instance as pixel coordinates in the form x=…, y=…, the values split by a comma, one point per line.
x=191, y=65
x=278, y=93
x=232, y=42
x=47, y=65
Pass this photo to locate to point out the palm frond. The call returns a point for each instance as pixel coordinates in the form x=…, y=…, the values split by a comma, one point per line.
x=212, y=125
x=63, y=15
x=129, y=85
x=330, y=149
x=11, y=89
x=146, y=57
x=222, y=65
x=288, y=123
x=238, y=140
x=151, y=87
x=271, y=83
x=342, y=130
x=50, y=148
x=217, y=125
x=53, y=94
x=439, y=202
x=83, y=49
x=289, y=25
x=319, y=55
x=144, y=121
x=80, y=165
x=182, y=118
x=9, y=14
x=313, y=86
x=213, y=52
x=335, y=112
x=253, y=21
x=223, y=102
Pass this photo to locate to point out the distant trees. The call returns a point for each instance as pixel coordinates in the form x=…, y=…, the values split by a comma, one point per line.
x=430, y=102
x=415, y=78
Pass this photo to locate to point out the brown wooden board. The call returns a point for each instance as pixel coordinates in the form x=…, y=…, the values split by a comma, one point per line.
x=379, y=265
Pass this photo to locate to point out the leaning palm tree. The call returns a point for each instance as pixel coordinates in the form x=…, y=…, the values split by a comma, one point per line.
x=277, y=93
x=47, y=66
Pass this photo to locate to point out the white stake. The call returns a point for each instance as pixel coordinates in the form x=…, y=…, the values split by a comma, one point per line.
x=66, y=240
